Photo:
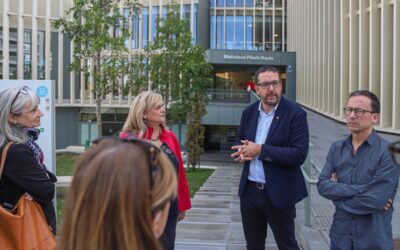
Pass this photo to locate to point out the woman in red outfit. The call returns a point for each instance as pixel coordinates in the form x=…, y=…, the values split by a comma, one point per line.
x=147, y=120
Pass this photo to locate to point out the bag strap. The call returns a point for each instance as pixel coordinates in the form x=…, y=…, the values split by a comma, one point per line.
x=4, y=156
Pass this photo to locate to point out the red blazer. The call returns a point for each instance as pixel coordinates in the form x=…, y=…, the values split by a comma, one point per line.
x=169, y=138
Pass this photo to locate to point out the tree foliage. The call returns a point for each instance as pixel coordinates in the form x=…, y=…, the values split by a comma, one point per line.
x=181, y=73
x=98, y=34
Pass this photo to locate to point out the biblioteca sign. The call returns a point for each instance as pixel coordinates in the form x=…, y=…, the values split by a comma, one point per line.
x=248, y=57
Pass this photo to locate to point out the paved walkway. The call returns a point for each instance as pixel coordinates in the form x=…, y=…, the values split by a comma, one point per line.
x=214, y=222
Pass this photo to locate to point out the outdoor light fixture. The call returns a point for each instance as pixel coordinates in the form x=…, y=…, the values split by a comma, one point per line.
x=394, y=148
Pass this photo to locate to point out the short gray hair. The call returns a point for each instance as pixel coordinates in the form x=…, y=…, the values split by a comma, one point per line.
x=12, y=101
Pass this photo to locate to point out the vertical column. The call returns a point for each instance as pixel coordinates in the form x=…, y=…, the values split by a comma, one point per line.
x=344, y=53
x=284, y=21
x=72, y=77
x=6, y=40
x=60, y=51
x=20, y=39
x=320, y=56
x=336, y=62
x=386, y=97
x=354, y=38
x=91, y=82
x=330, y=37
x=34, y=40
x=363, y=45
x=374, y=43
x=325, y=79
x=396, y=63
x=47, y=43
x=315, y=20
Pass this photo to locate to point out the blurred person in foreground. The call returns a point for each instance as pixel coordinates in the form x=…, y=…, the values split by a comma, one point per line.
x=24, y=170
x=119, y=197
x=360, y=178
x=147, y=120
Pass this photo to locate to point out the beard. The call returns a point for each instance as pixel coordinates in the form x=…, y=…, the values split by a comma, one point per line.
x=271, y=103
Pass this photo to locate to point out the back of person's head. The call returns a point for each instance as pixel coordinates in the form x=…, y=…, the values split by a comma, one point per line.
x=15, y=101
x=375, y=104
x=117, y=193
x=141, y=104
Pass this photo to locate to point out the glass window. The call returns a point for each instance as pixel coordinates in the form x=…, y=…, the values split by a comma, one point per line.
x=212, y=3
x=258, y=36
x=268, y=33
x=126, y=24
x=229, y=36
x=40, y=54
x=145, y=26
x=249, y=33
x=220, y=3
x=239, y=3
x=164, y=12
x=195, y=24
x=135, y=31
x=239, y=34
x=212, y=31
x=278, y=33
x=230, y=3
x=154, y=16
x=278, y=3
x=249, y=3
x=27, y=54
x=220, y=32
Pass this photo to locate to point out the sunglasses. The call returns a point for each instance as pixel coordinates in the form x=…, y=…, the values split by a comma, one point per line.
x=153, y=152
x=394, y=148
x=23, y=91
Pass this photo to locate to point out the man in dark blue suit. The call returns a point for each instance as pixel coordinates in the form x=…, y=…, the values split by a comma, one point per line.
x=272, y=144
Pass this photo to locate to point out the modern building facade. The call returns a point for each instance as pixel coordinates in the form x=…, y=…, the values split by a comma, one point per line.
x=239, y=35
x=346, y=45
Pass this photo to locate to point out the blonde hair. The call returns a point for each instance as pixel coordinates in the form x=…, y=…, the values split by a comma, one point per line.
x=140, y=105
x=111, y=201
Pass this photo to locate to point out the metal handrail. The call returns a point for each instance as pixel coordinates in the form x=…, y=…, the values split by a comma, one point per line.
x=306, y=170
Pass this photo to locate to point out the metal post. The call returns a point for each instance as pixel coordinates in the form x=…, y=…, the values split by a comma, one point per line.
x=307, y=200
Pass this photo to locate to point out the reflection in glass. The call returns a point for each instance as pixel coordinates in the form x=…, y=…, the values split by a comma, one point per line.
x=220, y=32
x=229, y=37
x=27, y=54
x=249, y=3
x=229, y=3
x=145, y=26
x=40, y=54
x=212, y=40
x=220, y=3
x=239, y=34
x=249, y=33
x=154, y=15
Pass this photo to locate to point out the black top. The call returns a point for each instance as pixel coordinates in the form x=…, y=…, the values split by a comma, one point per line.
x=21, y=173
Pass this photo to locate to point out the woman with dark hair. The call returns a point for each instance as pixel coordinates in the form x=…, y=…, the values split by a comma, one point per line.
x=147, y=120
x=24, y=170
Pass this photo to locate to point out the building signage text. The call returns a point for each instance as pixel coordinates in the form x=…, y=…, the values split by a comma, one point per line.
x=248, y=57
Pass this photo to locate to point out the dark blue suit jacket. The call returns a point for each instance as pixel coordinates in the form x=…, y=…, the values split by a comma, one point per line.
x=282, y=154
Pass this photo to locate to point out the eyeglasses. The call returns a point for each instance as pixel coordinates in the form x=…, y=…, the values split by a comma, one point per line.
x=357, y=111
x=153, y=151
x=394, y=148
x=266, y=85
x=23, y=90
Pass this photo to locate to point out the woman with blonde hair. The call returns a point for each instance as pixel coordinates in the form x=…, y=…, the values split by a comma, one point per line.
x=147, y=120
x=119, y=197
